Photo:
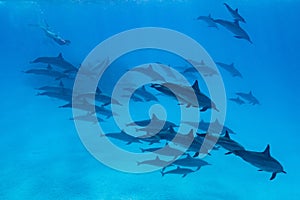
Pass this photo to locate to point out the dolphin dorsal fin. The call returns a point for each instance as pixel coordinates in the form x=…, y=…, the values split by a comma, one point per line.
x=217, y=121
x=154, y=117
x=171, y=129
x=267, y=151
x=250, y=93
x=61, y=84
x=188, y=156
x=178, y=167
x=60, y=56
x=232, y=64
x=209, y=15
x=227, y=135
x=49, y=67
x=98, y=91
x=143, y=88
x=202, y=62
x=190, y=134
x=157, y=158
x=195, y=86
x=237, y=10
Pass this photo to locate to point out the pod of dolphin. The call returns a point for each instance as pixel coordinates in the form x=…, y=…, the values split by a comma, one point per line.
x=58, y=68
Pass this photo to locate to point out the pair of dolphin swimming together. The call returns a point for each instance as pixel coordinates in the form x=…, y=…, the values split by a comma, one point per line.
x=249, y=97
x=262, y=160
x=232, y=26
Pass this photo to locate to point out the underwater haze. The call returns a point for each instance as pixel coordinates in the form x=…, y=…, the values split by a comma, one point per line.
x=42, y=155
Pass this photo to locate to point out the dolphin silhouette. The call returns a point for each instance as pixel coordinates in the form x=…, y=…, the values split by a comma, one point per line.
x=58, y=61
x=49, y=71
x=262, y=160
x=248, y=97
x=189, y=161
x=54, y=36
x=230, y=68
x=178, y=170
x=155, y=162
x=235, y=28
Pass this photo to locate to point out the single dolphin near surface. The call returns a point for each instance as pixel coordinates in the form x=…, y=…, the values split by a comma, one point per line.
x=178, y=170
x=54, y=36
x=235, y=13
x=58, y=61
x=237, y=100
x=248, y=97
x=262, y=160
x=209, y=20
x=235, y=28
x=230, y=68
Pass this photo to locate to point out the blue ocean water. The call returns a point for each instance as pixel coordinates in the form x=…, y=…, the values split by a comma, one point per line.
x=42, y=156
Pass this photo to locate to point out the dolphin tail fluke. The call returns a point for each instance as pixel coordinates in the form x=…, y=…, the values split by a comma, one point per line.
x=162, y=173
x=138, y=163
x=102, y=135
x=143, y=150
x=273, y=176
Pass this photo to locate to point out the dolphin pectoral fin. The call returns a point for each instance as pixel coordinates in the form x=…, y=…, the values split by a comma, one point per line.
x=273, y=176
x=60, y=56
x=260, y=170
x=196, y=154
x=184, y=175
x=204, y=109
x=229, y=152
